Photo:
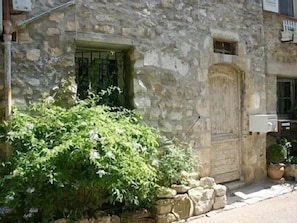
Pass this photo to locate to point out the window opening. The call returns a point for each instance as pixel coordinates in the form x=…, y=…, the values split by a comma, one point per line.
x=99, y=69
x=288, y=7
x=286, y=97
x=224, y=47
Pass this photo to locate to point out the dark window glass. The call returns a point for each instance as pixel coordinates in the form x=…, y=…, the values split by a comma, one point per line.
x=286, y=96
x=224, y=47
x=286, y=7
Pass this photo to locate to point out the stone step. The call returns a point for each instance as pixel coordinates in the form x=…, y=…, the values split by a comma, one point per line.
x=234, y=185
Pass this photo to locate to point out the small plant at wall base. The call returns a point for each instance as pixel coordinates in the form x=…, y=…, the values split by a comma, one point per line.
x=276, y=154
x=70, y=162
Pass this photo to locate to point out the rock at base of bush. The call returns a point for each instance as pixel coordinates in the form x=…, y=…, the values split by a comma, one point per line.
x=203, y=207
x=168, y=218
x=183, y=206
x=219, y=202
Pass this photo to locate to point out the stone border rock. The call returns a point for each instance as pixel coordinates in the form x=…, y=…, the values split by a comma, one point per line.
x=179, y=202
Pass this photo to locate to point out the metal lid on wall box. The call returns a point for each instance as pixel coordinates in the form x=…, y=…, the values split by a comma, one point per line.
x=263, y=123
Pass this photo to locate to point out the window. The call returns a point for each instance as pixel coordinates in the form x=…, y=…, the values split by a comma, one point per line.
x=284, y=7
x=224, y=47
x=99, y=69
x=288, y=7
x=286, y=96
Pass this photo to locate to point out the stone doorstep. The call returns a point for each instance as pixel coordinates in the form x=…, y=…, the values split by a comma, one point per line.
x=234, y=185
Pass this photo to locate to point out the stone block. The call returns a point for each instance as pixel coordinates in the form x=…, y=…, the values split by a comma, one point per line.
x=180, y=189
x=164, y=206
x=167, y=3
x=193, y=183
x=53, y=31
x=207, y=182
x=33, y=55
x=219, y=202
x=183, y=206
x=104, y=28
x=196, y=194
x=220, y=190
x=208, y=194
x=166, y=193
x=168, y=218
x=203, y=207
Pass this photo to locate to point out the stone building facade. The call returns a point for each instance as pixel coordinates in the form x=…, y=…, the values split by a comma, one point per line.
x=281, y=70
x=195, y=69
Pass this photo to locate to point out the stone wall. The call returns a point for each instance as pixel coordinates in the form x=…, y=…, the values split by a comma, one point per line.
x=281, y=56
x=180, y=202
x=171, y=51
x=183, y=202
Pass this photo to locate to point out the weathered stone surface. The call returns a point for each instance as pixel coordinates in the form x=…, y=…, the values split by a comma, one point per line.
x=183, y=206
x=164, y=34
x=219, y=202
x=33, y=54
x=166, y=193
x=164, y=206
x=53, y=31
x=193, y=183
x=168, y=218
x=115, y=219
x=203, y=207
x=180, y=189
x=34, y=82
x=208, y=194
x=220, y=190
x=196, y=194
x=207, y=182
x=24, y=37
x=138, y=216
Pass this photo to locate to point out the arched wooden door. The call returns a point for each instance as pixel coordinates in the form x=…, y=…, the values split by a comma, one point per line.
x=225, y=115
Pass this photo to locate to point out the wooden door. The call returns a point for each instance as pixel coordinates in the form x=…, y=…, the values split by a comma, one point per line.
x=225, y=123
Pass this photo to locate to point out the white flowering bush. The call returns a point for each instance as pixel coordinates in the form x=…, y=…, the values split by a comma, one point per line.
x=72, y=162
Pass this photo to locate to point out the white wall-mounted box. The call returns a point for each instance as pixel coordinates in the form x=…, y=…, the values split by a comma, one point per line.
x=263, y=123
x=22, y=5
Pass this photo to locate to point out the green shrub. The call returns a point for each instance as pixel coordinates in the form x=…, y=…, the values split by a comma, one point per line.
x=71, y=162
x=276, y=153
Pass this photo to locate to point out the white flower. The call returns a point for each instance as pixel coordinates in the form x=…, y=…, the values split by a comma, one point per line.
x=5, y=210
x=110, y=155
x=30, y=126
x=93, y=135
x=139, y=147
x=119, y=131
x=155, y=163
x=29, y=215
x=10, y=133
x=94, y=155
x=30, y=190
x=143, y=149
x=101, y=173
x=102, y=139
x=9, y=197
x=33, y=210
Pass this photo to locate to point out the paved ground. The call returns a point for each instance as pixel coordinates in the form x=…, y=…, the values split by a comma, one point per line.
x=264, y=202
